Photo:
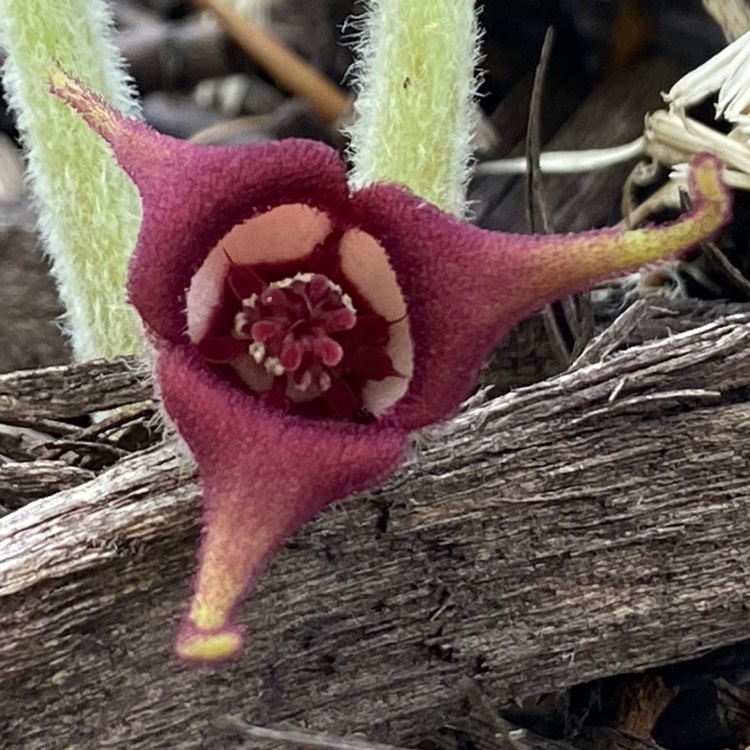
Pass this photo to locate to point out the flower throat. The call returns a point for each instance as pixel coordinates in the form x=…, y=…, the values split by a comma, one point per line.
x=300, y=335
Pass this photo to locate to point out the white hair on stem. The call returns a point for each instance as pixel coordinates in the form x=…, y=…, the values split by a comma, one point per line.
x=416, y=84
x=88, y=209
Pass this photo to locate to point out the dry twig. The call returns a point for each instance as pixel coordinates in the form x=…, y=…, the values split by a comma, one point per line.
x=289, y=71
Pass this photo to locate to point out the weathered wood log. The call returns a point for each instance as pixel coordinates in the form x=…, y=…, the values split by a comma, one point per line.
x=22, y=481
x=592, y=524
x=73, y=390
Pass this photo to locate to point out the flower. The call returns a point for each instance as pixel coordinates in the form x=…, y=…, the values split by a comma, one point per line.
x=302, y=330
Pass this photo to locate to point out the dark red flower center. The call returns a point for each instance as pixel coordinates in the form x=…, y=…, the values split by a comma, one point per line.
x=300, y=335
x=290, y=325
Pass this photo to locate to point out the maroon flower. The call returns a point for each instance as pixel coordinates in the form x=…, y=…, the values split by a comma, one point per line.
x=303, y=331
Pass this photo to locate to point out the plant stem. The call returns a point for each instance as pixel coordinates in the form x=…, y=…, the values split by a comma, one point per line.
x=416, y=98
x=88, y=209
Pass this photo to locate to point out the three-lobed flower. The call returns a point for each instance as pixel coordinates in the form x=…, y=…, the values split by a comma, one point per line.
x=303, y=330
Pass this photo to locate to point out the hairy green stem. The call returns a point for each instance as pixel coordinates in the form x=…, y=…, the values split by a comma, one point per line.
x=89, y=211
x=415, y=106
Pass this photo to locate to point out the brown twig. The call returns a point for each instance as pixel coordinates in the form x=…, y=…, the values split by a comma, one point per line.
x=534, y=186
x=287, y=69
x=577, y=315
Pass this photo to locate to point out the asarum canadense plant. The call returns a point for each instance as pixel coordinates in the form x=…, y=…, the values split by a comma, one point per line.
x=303, y=330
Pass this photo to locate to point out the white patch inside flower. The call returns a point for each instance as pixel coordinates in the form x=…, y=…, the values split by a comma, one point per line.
x=257, y=351
x=273, y=366
x=366, y=265
x=280, y=235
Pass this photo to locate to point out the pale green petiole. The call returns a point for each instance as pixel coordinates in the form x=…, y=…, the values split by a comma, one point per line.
x=415, y=105
x=88, y=209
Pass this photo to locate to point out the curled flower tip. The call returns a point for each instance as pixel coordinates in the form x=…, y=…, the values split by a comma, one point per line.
x=712, y=200
x=711, y=209
x=553, y=266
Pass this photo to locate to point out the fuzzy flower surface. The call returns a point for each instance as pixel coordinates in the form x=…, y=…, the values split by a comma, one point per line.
x=304, y=330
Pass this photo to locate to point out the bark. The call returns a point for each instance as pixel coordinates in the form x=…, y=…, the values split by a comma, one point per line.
x=586, y=526
x=72, y=390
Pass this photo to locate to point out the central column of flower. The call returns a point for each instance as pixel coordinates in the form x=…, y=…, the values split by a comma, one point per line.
x=289, y=325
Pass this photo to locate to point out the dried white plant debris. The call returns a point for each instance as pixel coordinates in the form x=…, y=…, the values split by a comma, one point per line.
x=726, y=72
x=670, y=139
x=670, y=136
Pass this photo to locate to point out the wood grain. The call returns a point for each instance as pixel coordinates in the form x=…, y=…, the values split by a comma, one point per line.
x=590, y=525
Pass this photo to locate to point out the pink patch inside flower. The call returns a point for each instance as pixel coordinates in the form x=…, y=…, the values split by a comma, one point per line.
x=306, y=315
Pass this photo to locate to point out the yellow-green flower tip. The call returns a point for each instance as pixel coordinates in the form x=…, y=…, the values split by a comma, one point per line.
x=208, y=647
x=58, y=78
x=98, y=114
x=711, y=210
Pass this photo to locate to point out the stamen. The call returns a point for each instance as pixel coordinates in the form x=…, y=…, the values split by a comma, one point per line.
x=257, y=351
x=274, y=367
x=313, y=352
x=291, y=324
